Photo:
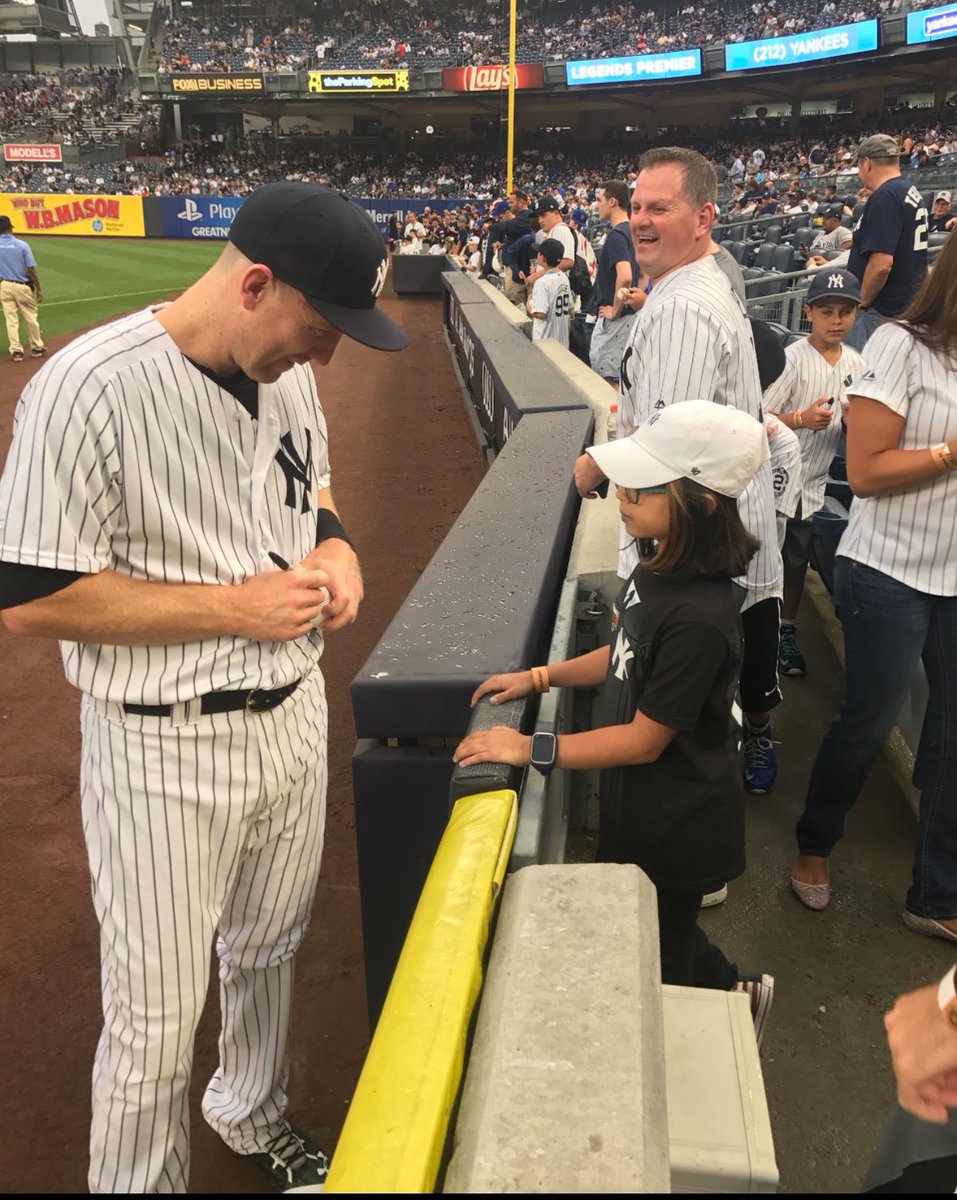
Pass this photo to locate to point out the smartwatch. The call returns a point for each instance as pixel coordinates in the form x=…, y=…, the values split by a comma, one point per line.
x=947, y=999
x=543, y=752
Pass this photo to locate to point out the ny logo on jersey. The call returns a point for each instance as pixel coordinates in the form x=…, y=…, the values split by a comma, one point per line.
x=622, y=656
x=835, y=281
x=380, y=275
x=296, y=470
x=848, y=380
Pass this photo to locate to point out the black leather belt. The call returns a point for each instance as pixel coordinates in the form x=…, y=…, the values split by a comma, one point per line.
x=256, y=700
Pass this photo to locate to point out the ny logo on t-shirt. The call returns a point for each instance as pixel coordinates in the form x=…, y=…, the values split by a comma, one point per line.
x=621, y=659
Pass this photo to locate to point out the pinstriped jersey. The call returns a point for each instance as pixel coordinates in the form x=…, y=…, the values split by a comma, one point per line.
x=692, y=341
x=806, y=378
x=125, y=457
x=551, y=295
x=909, y=535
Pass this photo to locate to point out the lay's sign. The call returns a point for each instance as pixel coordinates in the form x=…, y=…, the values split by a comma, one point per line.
x=77, y=216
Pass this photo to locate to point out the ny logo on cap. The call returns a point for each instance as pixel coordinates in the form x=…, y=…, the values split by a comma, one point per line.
x=835, y=281
x=380, y=275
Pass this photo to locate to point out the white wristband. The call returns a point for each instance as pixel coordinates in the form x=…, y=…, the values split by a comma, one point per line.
x=946, y=991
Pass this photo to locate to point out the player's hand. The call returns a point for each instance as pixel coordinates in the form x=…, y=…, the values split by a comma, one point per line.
x=607, y=311
x=277, y=606
x=511, y=686
x=924, y=1054
x=498, y=745
x=818, y=416
x=338, y=561
x=39, y=295
x=588, y=475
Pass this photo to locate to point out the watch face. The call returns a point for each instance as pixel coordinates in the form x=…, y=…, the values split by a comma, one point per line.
x=543, y=750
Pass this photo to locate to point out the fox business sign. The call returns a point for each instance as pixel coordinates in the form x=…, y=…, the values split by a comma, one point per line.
x=205, y=217
x=636, y=68
x=836, y=42
x=240, y=84
x=374, y=82
x=932, y=25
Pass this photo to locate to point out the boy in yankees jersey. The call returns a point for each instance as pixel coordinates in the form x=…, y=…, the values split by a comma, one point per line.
x=550, y=304
x=810, y=397
x=166, y=471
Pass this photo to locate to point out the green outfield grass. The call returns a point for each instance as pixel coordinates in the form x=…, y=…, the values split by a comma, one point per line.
x=89, y=280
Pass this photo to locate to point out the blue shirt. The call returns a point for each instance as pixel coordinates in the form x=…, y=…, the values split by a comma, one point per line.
x=15, y=257
x=894, y=221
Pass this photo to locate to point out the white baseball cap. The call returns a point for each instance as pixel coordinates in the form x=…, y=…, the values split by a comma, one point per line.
x=719, y=447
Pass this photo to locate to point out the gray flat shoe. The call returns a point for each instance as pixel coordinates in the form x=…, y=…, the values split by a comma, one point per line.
x=812, y=895
x=927, y=926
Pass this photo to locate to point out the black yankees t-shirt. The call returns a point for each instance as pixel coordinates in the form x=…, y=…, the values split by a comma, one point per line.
x=676, y=656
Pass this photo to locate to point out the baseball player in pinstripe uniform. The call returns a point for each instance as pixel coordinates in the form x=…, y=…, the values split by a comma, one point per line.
x=166, y=513
x=692, y=341
x=810, y=397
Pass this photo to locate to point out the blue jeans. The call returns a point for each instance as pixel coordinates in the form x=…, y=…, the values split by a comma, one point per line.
x=866, y=324
x=888, y=628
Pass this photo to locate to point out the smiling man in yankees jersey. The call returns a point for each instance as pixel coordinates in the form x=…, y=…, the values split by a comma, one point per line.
x=692, y=341
x=166, y=472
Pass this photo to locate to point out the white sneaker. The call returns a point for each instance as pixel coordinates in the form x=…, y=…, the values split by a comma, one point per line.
x=713, y=899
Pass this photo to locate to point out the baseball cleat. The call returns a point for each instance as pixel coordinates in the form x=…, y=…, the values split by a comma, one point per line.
x=293, y=1159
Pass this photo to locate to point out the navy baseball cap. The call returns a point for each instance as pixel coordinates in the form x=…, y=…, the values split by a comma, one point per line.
x=499, y=207
x=321, y=243
x=834, y=210
x=834, y=285
x=546, y=204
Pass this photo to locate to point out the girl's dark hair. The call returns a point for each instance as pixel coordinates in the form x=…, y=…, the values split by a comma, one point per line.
x=707, y=539
x=932, y=315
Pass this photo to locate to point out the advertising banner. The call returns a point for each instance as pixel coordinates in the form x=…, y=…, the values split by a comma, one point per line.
x=203, y=217
x=491, y=79
x=330, y=82
x=76, y=216
x=795, y=49
x=636, y=68
x=240, y=83
x=20, y=152
x=381, y=210
x=932, y=25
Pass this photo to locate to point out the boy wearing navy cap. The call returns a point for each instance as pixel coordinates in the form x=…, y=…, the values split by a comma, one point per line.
x=810, y=397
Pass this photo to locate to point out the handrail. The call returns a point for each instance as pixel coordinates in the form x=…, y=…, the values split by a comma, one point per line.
x=398, y=1122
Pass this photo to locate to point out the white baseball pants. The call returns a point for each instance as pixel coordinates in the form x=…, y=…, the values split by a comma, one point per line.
x=197, y=827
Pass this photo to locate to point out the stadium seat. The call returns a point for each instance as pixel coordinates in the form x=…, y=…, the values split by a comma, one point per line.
x=784, y=259
x=738, y=251
x=764, y=257
x=772, y=233
x=801, y=221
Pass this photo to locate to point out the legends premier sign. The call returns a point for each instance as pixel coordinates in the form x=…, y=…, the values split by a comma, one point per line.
x=635, y=68
x=239, y=84
x=491, y=79
x=20, y=152
x=375, y=82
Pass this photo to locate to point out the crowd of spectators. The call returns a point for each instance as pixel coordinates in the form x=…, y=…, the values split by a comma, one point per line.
x=65, y=107
x=399, y=33
x=766, y=158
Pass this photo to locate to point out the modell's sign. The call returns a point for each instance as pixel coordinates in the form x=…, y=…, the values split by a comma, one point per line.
x=491, y=79
x=239, y=84
x=22, y=153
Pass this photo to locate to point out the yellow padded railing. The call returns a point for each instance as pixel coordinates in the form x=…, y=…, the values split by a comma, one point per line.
x=397, y=1124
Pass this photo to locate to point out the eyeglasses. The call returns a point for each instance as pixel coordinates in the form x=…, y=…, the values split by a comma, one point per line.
x=633, y=495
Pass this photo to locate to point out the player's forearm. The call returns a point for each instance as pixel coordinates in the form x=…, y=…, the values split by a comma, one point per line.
x=111, y=609
x=612, y=746
x=587, y=670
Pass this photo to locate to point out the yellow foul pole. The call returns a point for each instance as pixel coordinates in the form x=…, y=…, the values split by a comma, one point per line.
x=513, y=5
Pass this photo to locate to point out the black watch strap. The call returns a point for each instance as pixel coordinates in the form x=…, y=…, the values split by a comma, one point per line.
x=544, y=751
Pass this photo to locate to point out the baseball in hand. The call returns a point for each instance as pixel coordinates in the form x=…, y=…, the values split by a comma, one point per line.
x=622, y=294
x=326, y=597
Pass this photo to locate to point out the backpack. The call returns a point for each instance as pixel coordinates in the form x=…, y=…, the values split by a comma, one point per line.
x=581, y=277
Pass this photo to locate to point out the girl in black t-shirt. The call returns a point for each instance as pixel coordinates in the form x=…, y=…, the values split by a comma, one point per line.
x=671, y=798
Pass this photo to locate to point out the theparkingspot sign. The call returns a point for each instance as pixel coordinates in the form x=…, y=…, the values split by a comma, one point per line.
x=836, y=42
x=932, y=25
x=635, y=68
